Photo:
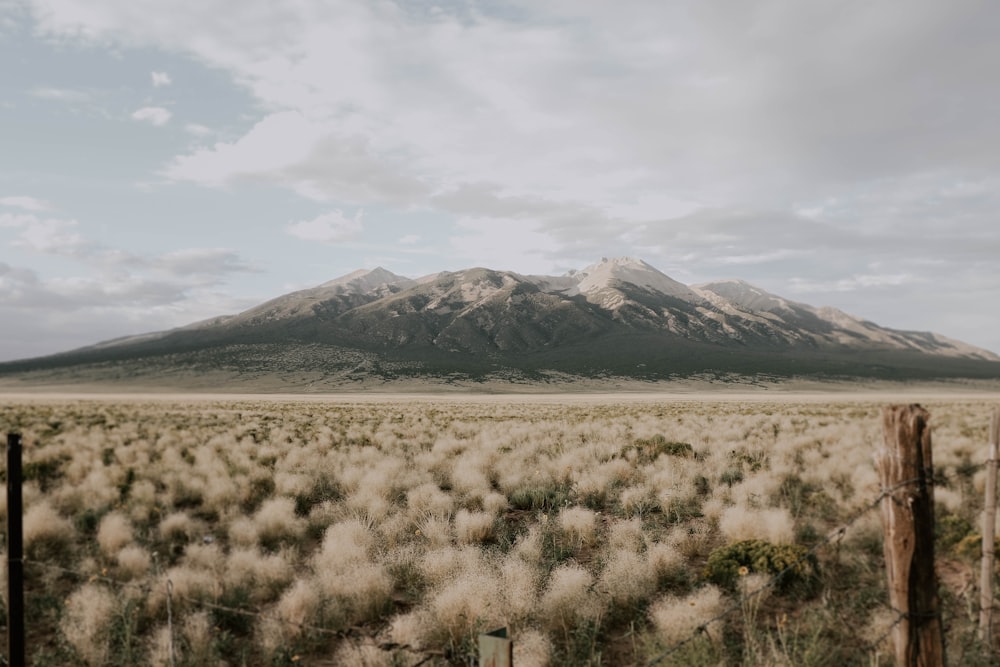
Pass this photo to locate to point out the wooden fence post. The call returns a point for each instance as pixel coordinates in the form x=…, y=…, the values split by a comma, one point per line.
x=989, y=523
x=905, y=469
x=496, y=649
x=15, y=554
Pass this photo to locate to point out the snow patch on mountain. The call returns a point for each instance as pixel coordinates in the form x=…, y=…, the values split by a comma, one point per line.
x=606, y=273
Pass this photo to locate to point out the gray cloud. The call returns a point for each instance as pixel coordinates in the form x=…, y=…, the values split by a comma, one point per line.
x=844, y=150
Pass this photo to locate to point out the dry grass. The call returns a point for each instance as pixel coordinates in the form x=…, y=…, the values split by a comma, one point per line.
x=371, y=532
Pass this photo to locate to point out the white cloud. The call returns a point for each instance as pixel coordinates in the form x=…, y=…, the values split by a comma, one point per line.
x=276, y=143
x=26, y=203
x=157, y=116
x=330, y=227
x=517, y=245
x=160, y=79
x=59, y=94
x=853, y=283
x=16, y=219
x=201, y=262
x=51, y=236
x=197, y=129
x=409, y=239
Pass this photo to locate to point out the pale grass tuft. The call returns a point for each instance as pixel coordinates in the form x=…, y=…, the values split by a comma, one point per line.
x=494, y=503
x=263, y=574
x=440, y=565
x=205, y=557
x=197, y=633
x=190, y=585
x=142, y=500
x=177, y=527
x=346, y=541
x=676, y=618
x=435, y=531
x=468, y=476
x=532, y=649
x=362, y=655
x=43, y=526
x=410, y=629
x=637, y=500
x=529, y=547
x=298, y=604
x=115, y=532
x=86, y=623
x=519, y=588
x=567, y=597
x=271, y=634
x=579, y=524
x=473, y=526
x=159, y=648
x=428, y=500
x=133, y=561
x=243, y=532
x=344, y=572
x=276, y=520
x=369, y=501
x=465, y=605
x=774, y=525
x=626, y=535
x=362, y=590
x=713, y=508
x=627, y=577
x=664, y=558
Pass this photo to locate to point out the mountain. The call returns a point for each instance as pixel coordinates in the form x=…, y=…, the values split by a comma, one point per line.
x=619, y=317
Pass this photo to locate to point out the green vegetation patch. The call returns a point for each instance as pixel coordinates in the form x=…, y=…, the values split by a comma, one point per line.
x=797, y=566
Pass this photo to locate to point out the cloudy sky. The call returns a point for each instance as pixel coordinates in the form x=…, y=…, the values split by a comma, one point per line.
x=164, y=162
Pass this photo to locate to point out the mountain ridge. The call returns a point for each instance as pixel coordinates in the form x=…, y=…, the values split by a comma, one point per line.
x=617, y=317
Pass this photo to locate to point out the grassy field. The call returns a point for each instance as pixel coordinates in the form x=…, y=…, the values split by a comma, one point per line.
x=392, y=530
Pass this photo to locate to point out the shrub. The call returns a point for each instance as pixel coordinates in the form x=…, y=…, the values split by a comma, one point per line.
x=114, y=532
x=46, y=533
x=579, y=524
x=676, y=619
x=650, y=448
x=473, y=526
x=772, y=525
x=86, y=625
x=798, y=567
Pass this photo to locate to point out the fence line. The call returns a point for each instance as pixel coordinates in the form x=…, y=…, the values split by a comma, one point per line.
x=934, y=479
x=242, y=611
x=831, y=537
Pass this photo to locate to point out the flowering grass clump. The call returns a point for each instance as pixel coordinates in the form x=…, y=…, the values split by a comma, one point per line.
x=599, y=530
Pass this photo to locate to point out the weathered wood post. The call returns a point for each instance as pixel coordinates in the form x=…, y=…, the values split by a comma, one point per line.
x=496, y=649
x=989, y=523
x=15, y=554
x=905, y=469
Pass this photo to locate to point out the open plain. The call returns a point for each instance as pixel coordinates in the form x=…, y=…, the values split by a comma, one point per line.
x=372, y=529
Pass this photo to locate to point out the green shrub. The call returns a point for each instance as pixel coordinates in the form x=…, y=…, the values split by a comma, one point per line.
x=797, y=566
x=951, y=530
x=652, y=447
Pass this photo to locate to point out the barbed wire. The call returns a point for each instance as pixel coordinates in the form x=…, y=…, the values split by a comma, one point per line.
x=343, y=633
x=834, y=535
x=931, y=478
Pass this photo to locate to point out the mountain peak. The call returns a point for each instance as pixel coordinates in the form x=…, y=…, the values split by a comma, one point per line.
x=367, y=279
x=605, y=273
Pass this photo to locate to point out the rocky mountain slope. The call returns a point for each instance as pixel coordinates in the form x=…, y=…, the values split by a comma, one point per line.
x=618, y=317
